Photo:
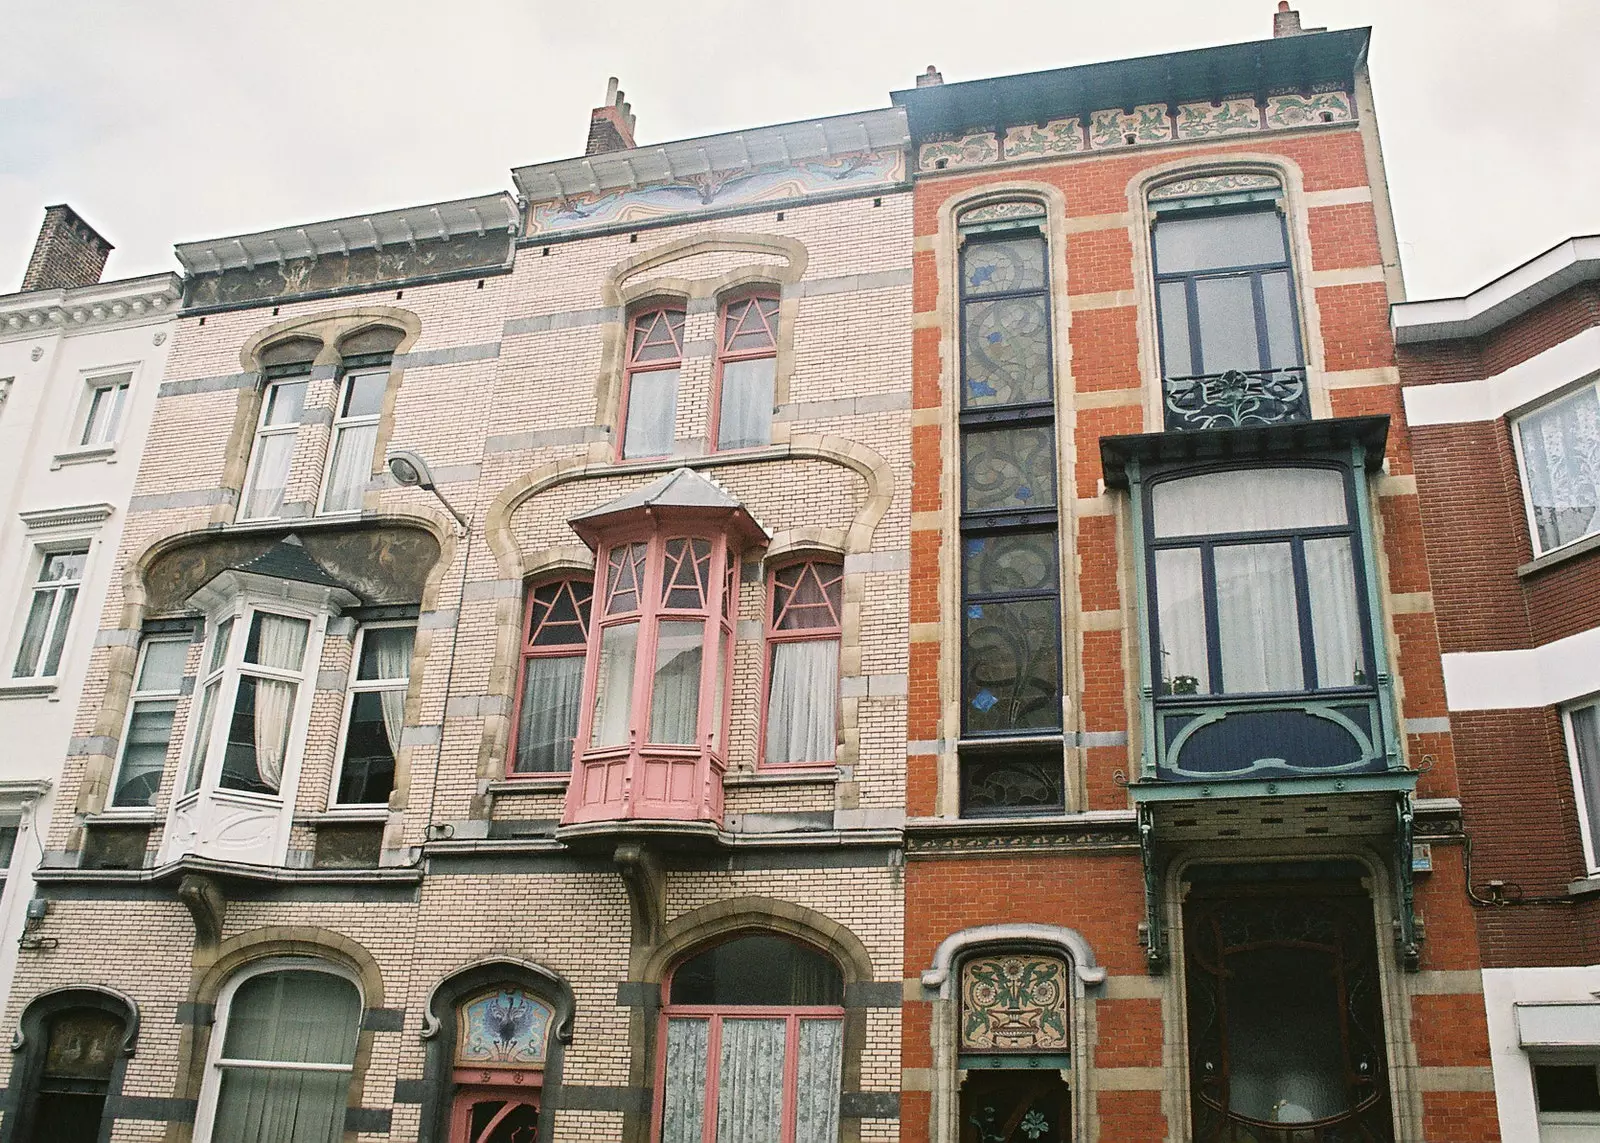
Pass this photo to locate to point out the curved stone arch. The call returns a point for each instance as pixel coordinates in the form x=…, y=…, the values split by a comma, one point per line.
x=957, y=946
x=791, y=250
x=439, y=1033
x=31, y=1040
x=711, y=924
x=331, y=327
x=306, y=942
x=795, y=545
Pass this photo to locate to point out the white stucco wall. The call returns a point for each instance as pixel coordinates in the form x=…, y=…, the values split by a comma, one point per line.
x=1503, y=989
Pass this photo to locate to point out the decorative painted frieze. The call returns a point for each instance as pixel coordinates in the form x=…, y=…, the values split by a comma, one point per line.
x=1306, y=110
x=1209, y=120
x=1147, y=123
x=967, y=151
x=1229, y=183
x=1057, y=137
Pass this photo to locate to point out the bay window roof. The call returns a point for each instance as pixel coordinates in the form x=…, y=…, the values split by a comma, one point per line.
x=681, y=490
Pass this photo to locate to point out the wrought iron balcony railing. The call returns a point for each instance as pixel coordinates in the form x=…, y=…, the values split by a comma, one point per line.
x=1229, y=737
x=1236, y=399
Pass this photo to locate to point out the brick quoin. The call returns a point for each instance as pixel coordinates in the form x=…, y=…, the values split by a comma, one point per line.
x=1099, y=261
x=1450, y=1030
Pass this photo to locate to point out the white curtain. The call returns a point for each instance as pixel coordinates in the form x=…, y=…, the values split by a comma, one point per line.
x=1586, y=736
x=750, y=1081
x=675, y=695
x=1335, y=622
x=1561, y=461
x=283, y=646
x=816, y=1112
x=800, y=707
x=392, y=652
x=1181, y=624
x=683, y=1106
x=1248, y=501
x=652, y=406
x=1257, y=620
x=613, y=694
x=551, y=690
x=351, y=468
x=264, y=497
x=744, y=418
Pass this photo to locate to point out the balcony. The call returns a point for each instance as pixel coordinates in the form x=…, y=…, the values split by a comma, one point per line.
x=1236, y=399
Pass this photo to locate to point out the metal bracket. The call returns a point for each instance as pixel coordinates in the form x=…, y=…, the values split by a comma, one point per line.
x=1408, y=939
x=1152, y=934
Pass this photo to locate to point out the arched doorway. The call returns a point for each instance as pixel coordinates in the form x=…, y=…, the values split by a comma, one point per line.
x=502, y=1043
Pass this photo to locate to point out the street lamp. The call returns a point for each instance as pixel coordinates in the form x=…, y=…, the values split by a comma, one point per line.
x=411, y=471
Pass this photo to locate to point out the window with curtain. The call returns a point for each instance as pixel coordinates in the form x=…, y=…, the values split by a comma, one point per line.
x=555, y=641
x=619, y=644
x=1559, y=450
x=655, y=359
x=355, y=433
x=752, y=1045
x=282, y=1055
x=1583, y=748
x=375, y=710
x=1010, y=611
x=747, y=363
x=1256, y=581
x=803, y=631
x=102, y=418
x=282, y=403
x=55, y=597
x=157, y=685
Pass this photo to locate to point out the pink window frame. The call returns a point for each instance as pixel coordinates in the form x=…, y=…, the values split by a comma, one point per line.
x=525, y=651
x=632, y=367
x=772, y=636
x=725, y=355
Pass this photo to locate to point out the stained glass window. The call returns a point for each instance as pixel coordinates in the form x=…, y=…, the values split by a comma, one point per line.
x=506, y=1028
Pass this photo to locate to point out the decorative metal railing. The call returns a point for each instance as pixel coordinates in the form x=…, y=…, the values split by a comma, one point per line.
x=1236, y=399
x=1241, y=737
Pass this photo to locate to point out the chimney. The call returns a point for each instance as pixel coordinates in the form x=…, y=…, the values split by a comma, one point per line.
x=610, y=126
x=930, y=78
x=1285, y=21
x=68, y=253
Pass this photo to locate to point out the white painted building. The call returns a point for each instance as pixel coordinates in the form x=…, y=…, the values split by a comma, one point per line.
x=80, y=363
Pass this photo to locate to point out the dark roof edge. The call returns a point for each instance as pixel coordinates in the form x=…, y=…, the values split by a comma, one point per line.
x=1267, y=441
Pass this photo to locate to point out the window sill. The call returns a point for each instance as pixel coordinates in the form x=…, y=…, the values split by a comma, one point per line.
x=340, y=814
x=532, y=784
x=87, y=455
x=123, y=815
x=1572, y=551
x=1585, y=886
x=29, y=688
x=773, y=776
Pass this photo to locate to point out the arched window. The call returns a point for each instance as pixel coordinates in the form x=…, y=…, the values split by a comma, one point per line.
x=752, y=1045
x=747, y=348
x=555, y=635
x=655, y=358
x=803, y=631
x=281, y=1057
x=502, y=1040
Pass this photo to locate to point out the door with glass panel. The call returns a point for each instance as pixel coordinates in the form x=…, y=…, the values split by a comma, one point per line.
x=752, y=1045
x=502, y=1042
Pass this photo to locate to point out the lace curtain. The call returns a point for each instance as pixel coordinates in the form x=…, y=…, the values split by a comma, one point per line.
x=675, y=697
x=652, y=406
x=271, y=477
x=750, y=1081
x=816, y=1112
x=683, y=1107
x=351, y=468
x=283, y=646
x=391, y=647
x=744, y=418
x=613, y=696
x=1561, y=463
x=800, y=706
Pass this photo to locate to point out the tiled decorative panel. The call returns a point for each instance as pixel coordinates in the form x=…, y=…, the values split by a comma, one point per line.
x=506, y=1028
x=1306, y=110
x=1208, y=120
x=1113, y=128
x=1057, y=137
x=1014, y=1003
x=967, y=151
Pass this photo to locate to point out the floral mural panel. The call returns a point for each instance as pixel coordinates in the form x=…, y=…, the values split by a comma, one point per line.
x=1014, y=1003
x=505, y=1028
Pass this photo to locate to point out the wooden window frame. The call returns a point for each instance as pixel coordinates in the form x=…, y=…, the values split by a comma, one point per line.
x=342, y=423
x=135, y=697
x=772, y=636
x=527, y=650
x=289, y=375
x=355, y=686
x=727, y=355
x=635, y=367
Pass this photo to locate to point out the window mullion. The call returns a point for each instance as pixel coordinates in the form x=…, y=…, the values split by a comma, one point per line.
x=1302, y=597
x=713, y=1077
x=1211, y=607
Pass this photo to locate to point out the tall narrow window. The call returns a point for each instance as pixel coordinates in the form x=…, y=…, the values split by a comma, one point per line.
x=1583, y=747
x=375, y=713
x=282, y=1054
x=157, y=684
x=803, y=663
x=216, y=660
x=555, y=638
x=655, y=359
x=1011, y=630
x=355, y=432
x=103, y=416
x=1559, y=449
x=746, y=372
x=269, y=681
x=279, y=423
x=619, y=645
x=55, y=596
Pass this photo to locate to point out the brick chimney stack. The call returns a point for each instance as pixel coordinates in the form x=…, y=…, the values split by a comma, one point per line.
x=68, y=253
x=930, y=78
x=611, y=125
x=1286, y=22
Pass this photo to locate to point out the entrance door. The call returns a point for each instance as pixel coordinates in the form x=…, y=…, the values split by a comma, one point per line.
x=76, y=1075
x=1014, y=1106
x=494, y=1116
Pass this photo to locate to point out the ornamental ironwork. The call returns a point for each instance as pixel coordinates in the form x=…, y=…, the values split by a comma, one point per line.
x=1237, y=399
x=1014, y=1003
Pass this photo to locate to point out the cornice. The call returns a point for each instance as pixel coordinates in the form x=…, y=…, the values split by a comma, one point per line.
x=131, y=301
x=72, y=516
x=1098, y=830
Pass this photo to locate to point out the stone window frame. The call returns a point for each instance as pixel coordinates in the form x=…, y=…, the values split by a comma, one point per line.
x=76, y=450
x=51, y=532
x=32, y=1036
x=526, y=651
x=354, y=687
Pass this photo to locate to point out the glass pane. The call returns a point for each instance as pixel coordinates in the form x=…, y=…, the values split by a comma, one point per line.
x=1218, y=242
x=1258, y=622
x=62, y=566
x=683, y=1107
x=1566, y=1087
x=625, y=576
x=806, y=596
x=493, y=1122
x=219, y=646
x=351, y=468
x=258, y=735
x=144, y=754
x=1181, y=623
x=1586, y=738
x=202, y=739
x=675, y=692
x=658, y=336
x=1245, y=500
x=652, y=405
x=552, y=688
x=505, y=1028
x=1335, y=619
x=58, y=633
x=284, y=401
x=33, y=633
x=1011, y=782
x=1011, y=667
x=751, y=325
x=281, y=1106
x=758, y=970
x=744, y=417
x=1002, y=267
x=1561, y=468
x=370, y=745
x=1008, y=468
x=1283, y=344
x=100, y=426
x=1007, y=352
x=750, y=1080
x=686, y=574
x=816, y=1110
x=1000, y=564
x=299, y=1016
x=386, y=653
x=1285, y=1056
x=1227, y=312
x=277, y=641
x=363, y=394
x=162, y=669
x=613, y=693
x=801, y=711
x=269, y=477
x=560, y=614
x=1176, y=359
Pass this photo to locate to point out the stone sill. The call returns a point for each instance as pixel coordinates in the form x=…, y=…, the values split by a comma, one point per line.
x=131, y=817
x=354, y=815
x=554, y=784
x=29, y=688
x=89, y=455
x=1561, y=555
x=797, y=776
x=1585, y=886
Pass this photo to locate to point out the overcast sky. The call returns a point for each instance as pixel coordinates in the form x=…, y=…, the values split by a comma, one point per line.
x=172, y=120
